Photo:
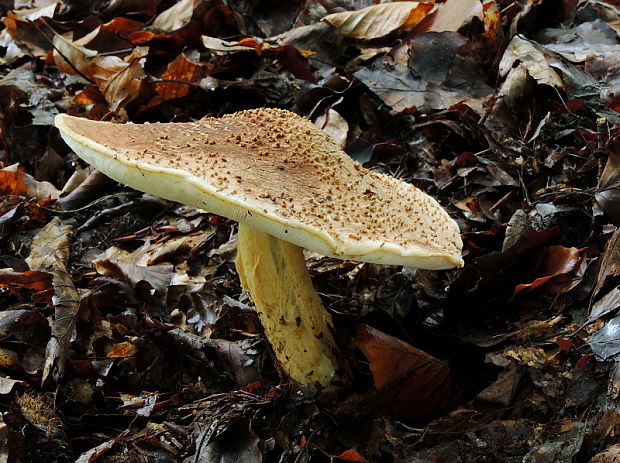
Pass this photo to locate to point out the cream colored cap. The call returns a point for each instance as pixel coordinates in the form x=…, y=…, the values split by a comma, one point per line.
x=277, y=172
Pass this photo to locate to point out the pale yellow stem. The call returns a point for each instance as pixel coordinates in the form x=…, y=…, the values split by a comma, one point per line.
x=296, y=324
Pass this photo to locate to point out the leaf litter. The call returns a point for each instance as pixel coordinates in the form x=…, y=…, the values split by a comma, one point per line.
x=124, y=332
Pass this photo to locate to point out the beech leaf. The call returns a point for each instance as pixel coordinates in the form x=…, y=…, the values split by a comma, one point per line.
x=379, y=20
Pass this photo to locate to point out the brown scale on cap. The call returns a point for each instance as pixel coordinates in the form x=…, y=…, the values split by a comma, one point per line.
x=280, y=165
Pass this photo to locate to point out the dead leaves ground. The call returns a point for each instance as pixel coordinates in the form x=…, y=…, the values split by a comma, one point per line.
x=124, y=333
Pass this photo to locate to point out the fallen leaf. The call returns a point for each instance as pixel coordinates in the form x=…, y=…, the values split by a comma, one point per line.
x=50, y=246
x=144, y=263
x=31, y=280
x=120, y=82
x=606, y=342
x=66, y=302
x=176, y=16
x=433, y=76
x=12, y=182
x=71, y=58
x=352, y=456
x=93, y=454
x=450, y=16
x=181, y=73
x=503, y=389
x=34, y=189
x=609, y=263
x=223, y=46
x=605, y=305
x=111, y=36
x=7, y=384
x=122, y=350
x=119, y=7
x=92, y=187
x=30, y=28
x=410, y=383
x=379, y=20
x=237, y=444
x=335, y=125
x=610, y=455
x=608, y=190
x=558, y=266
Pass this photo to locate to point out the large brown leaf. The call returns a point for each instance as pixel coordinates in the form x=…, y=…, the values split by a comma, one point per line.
x=410, y=383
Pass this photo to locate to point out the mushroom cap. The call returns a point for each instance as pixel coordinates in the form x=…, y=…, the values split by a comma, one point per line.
x=279, y=173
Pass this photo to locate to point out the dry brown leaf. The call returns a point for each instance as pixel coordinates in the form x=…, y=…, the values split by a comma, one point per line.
x=450, y=16
x=50, y=245
x=30, y=280
x=557, y=269
x=111, y=36
x=122, y=350
x=7, y=384
x=71, y=58
x=335, y=125
x=352, y=456
x=145, y=263
x=119, y=81
x=533, y=59
x=102, y=68
x=29, y=29
x=12, y=182
x=176, y=16
x=379, y=20
x=610, y=455
x=34, y=188
x=608, y=190
x=410, y=382
x=219, y=45
x=181, y=70
x=95, y=453
x=66, y=297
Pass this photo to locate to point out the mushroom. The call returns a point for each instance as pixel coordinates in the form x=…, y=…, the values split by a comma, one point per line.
x=290, y=187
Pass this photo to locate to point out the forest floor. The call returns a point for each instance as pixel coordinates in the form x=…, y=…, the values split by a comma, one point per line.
x=124, y=333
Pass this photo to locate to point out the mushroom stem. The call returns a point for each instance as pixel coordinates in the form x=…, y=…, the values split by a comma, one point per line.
x=274, y=272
